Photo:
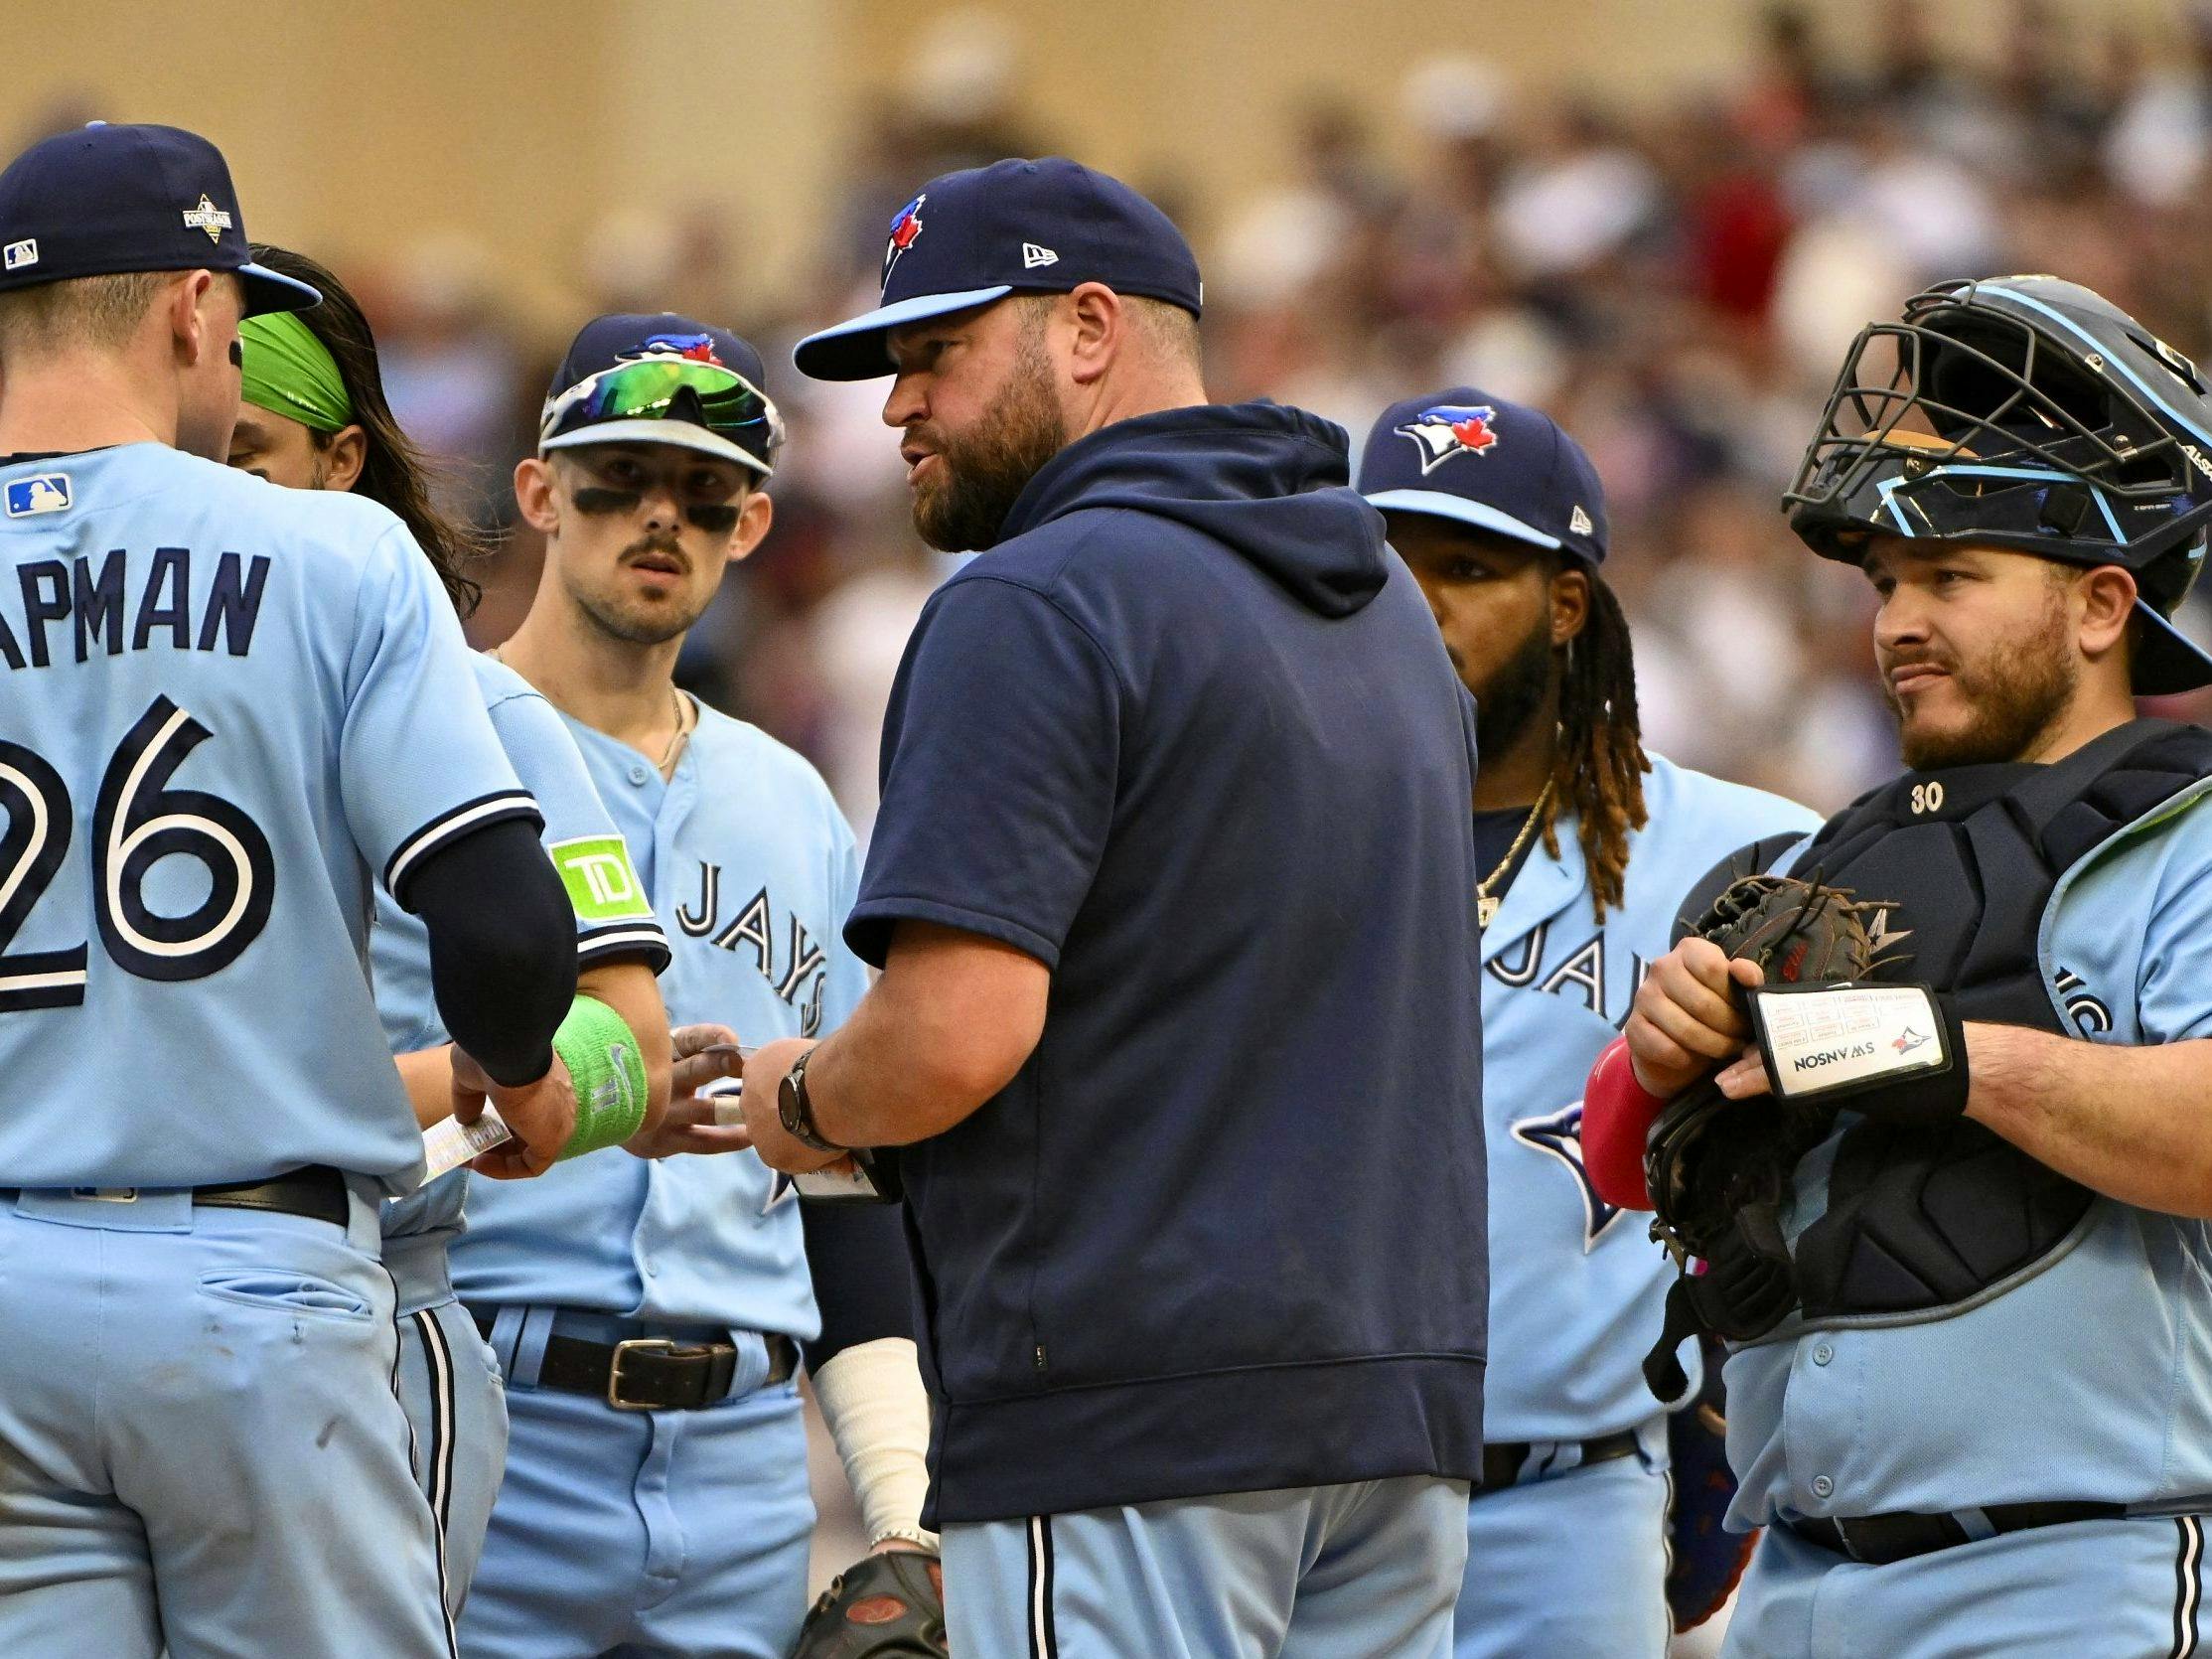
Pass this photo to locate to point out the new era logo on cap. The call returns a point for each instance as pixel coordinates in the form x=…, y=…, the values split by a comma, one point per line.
x=1032, y=256
x=1579, y=522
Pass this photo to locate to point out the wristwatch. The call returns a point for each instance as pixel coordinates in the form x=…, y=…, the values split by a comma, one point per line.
x=796, y=1112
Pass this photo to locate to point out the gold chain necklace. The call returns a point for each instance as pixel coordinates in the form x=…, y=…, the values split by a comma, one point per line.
x=1486, y=902
x=682, y=715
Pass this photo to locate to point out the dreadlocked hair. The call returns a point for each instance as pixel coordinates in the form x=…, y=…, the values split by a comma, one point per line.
x=1598, y=765
x=394, y=474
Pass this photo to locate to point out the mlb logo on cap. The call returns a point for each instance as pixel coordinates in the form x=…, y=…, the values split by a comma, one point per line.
x=43, y=492
x=1487, y=463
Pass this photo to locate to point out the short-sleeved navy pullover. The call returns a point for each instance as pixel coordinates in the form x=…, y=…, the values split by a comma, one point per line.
x=1188, y=736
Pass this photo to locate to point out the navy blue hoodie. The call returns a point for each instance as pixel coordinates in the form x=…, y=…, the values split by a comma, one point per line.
x=1188, y=736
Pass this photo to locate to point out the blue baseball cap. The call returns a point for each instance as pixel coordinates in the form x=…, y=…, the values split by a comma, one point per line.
x=103, y=200
x=1464, y=455
x=1015, y=227
x=700, y=389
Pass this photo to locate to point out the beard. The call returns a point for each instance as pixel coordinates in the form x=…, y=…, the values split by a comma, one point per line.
x=643, y=621
x=1516, y=691
x=2014, y=695
x=981, y=474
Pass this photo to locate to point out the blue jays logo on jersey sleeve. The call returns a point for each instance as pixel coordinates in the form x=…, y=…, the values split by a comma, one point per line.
x=1443, y=430
x=1561, y=1135
x=43, y=492
x=905, y=227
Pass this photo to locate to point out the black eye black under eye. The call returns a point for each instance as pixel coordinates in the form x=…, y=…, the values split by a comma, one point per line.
x=595, y=500
x=237, y=353
x=718, y=517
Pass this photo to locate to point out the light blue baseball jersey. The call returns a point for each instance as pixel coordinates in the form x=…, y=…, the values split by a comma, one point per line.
x=752, y=871
x=2092, y=1379
x=1577, y=1286
x=229, y=708
x=614, y=918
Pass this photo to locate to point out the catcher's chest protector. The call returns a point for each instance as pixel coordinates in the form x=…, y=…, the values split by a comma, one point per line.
x=1922, y=1218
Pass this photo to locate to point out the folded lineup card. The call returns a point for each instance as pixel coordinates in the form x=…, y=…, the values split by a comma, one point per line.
x=449, y=1144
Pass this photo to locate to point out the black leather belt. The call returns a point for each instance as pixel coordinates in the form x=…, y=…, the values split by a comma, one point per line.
x=1878, y=1540
x=647, y=1372
x=1502, y=1460
x=317, y=1192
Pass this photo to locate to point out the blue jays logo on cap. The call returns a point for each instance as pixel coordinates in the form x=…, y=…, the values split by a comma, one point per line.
x=1534, y=485
x=692, y=347
x=1443, y=430
x=904, y=229
x=43, y=492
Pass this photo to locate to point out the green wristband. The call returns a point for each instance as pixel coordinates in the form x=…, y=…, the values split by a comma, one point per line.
x=608, y=1073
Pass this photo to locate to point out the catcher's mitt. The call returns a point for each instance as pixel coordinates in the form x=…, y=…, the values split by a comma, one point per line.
x=1709, y=1157
x=1716, y=1168
x=887, y=1606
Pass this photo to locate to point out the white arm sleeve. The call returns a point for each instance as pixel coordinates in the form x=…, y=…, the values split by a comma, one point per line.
x=872, y=1400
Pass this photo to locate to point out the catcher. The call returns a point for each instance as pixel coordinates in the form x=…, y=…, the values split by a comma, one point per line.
x=1946, y=1195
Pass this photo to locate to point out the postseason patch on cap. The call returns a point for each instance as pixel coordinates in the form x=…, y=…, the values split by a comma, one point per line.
x=41, y=492
x=209, y=218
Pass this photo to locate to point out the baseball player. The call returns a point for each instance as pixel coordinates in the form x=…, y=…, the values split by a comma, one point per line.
x=315, y=418
x=230, y=712
x=1177, y=1038
x=1585, y=845
x=1967, y=1391
x=649, y=1315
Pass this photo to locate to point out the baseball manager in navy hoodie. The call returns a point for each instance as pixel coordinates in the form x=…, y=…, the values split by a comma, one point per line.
x=1177, y=1036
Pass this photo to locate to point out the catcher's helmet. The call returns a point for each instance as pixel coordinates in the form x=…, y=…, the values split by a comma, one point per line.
x=2032, y=414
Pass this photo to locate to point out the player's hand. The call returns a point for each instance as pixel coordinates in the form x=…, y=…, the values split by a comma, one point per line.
x=542, y=1115
x=1745, y=1077
x=694, y=1119
x=1687, y=1017
x=764, y=1080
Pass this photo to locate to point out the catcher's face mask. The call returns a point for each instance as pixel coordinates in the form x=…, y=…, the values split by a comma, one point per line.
x=2026, y=414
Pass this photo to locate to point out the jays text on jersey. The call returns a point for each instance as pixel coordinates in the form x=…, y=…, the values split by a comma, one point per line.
x=228, y=709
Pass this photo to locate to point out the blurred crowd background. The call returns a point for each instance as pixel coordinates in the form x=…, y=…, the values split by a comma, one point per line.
x=1674, y=275
x=1663, y=221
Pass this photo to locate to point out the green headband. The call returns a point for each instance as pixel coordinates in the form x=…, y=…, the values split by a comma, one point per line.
x=288, y=371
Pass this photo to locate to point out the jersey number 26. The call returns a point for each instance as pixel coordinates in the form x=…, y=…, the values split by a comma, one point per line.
x=136, y=821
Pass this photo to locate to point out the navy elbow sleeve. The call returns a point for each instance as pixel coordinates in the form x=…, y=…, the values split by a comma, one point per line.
x=503, y=946
x=863, y=1276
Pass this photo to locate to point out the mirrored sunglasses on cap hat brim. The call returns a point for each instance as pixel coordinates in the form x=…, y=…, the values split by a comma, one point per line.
x=721, y=399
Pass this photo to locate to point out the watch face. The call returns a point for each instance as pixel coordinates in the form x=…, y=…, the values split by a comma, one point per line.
x=787, y=1103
